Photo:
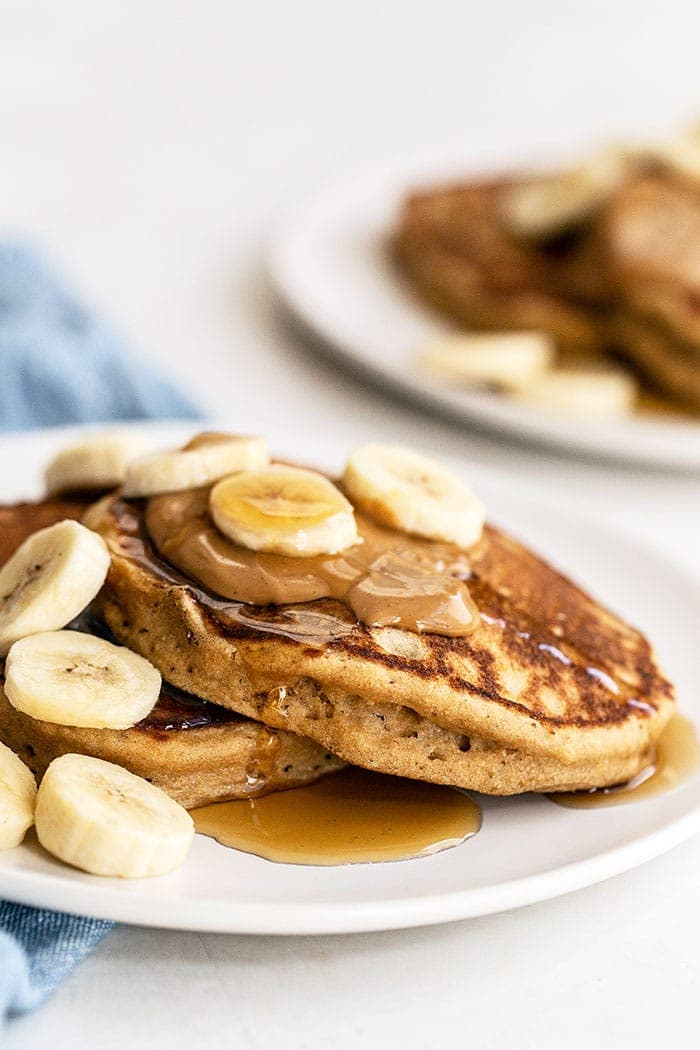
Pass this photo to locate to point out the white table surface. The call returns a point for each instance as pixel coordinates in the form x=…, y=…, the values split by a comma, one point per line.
x=148, y=147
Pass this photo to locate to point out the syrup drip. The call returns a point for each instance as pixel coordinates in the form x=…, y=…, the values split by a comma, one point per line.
x=677, y=758
x=350, y=817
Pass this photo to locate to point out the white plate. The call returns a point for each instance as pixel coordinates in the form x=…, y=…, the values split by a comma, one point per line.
x=331, y=266
x=528, y=848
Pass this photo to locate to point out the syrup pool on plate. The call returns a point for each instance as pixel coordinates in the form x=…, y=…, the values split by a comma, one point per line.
x=349, y=817
x=677, y=757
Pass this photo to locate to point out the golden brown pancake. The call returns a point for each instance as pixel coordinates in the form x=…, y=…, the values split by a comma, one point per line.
x=652, y=229
x=551, y=692
x=453, y=245
x=197, y=752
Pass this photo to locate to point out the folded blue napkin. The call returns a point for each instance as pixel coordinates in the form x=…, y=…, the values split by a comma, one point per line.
x=60, y=364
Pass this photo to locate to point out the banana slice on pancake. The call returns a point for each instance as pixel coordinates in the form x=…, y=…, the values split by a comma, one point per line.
x=98, y=463
x=595, y=394
x=206, y=459
x=544, y=207
x=409, y=491
x=503, y=359
x=17, y=798
x=49, y=580
x=77, y=679
x=284, y=510
x=102, y=819
x=680, y=156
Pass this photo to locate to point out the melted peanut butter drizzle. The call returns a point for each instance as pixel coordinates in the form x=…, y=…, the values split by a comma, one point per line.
x=347, y=818
x=677, y=757
x=387, y=579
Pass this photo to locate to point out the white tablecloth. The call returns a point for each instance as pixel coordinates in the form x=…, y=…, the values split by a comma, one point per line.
x=149, y=147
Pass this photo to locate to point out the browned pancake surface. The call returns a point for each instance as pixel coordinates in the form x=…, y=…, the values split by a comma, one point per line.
x=550, y=672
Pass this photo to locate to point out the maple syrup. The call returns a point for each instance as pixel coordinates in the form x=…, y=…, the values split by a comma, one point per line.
x=349, y=817
x=677, y=757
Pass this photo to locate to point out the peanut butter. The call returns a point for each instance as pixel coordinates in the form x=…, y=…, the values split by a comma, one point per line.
x=387, y=579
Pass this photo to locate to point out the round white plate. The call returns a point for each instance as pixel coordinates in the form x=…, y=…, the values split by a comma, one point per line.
x=528, y=849
x=331, y=265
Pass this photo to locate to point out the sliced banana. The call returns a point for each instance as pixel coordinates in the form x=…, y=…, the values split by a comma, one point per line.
x=585, y=393
x=682, y=157
x=283, y=510
x=76, y=679
x=49, y=580
x=207, y=458
x=17, y=798
x=102, y=819
x=546, y=206
x=408, y=491
x=96, y=464
x=503, y=359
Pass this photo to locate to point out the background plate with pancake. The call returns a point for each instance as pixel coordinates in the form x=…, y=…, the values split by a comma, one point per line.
x=331, y=264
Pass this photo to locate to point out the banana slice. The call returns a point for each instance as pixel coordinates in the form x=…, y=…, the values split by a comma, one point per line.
x=550, y=205
x=102, y=819
x=76, y=679
x=504, y=359
x=49, y=580
x=682, y=157
x=586, y=393
x=284, y=510
x=95, y=464
x=407, y=491
x=17, y=798
x=206, y=459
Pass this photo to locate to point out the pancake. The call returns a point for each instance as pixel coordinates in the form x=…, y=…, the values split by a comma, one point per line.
x=669, y=365
x=198, y=753
x=19, y=520
x=653, y=234
x=552, y=692
x=453, y=245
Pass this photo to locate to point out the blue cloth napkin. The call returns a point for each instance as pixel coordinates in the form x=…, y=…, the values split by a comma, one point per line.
x=60, y=364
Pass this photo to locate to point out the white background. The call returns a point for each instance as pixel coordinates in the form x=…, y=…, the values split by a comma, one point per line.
x=149, y=148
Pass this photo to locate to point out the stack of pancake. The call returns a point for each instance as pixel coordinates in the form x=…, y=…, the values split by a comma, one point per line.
x=604, y=258
x=198, y=753
x=548, y=692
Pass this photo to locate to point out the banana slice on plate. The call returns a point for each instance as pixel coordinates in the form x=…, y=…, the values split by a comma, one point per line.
x=503, y=359
x=102, y=819
x=97, y=463
x=49, y=579
x=76, y=679
x=283, y=510
x=582, y=393
x=408, y=491
x=547, y=206
x=17, y=798
x=207, y=458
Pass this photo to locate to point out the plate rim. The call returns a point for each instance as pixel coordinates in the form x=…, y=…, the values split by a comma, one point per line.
x=308, y=920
